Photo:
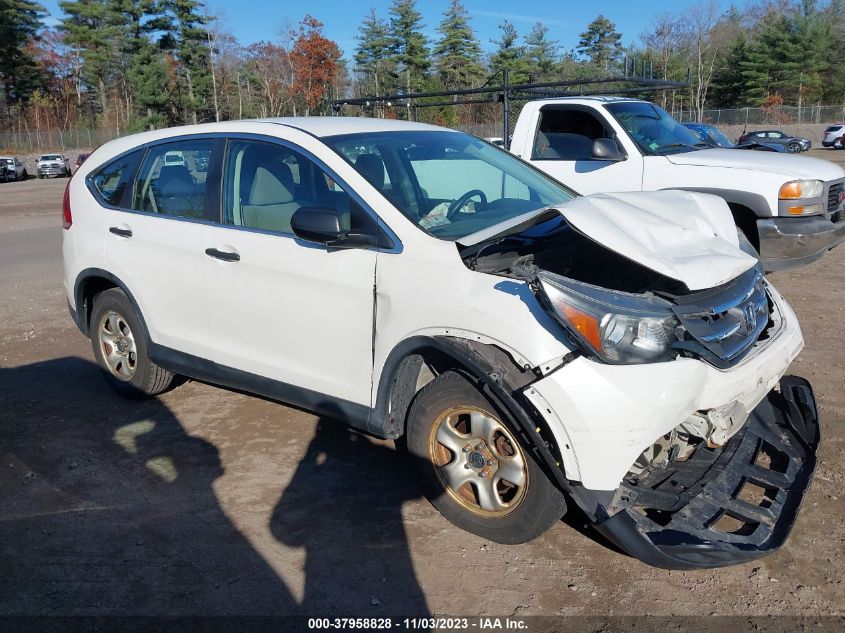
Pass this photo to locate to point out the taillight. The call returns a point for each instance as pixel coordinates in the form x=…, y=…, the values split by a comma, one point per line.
x=67, y=216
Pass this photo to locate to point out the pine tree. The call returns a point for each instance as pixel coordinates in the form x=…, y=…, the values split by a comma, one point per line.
x=372, y=52
x=90, y=27
x=601, y=42
x=729, y=84
x=148, y=78
x=187, y=40
x=409, y=50
x=509, y=54
x=541, y=52
x=773, y=61
x=458, y=53
x=20, y=21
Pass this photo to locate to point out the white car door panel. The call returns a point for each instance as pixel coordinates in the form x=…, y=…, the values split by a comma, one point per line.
x=287, y=309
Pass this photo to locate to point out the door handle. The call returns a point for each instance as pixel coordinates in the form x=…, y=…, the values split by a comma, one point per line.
x=226, y=257
x=121, y=232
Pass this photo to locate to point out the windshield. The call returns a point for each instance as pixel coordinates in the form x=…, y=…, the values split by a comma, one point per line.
x=449, y=184
x=653, y=129
x=50, y=157
x=720, y=138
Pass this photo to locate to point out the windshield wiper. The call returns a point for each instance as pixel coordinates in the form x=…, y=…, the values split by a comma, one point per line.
x=680, y=145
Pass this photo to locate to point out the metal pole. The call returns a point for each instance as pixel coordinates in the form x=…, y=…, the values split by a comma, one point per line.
x=505, y=97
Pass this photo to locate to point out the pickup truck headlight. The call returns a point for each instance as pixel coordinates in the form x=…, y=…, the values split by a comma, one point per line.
x=797, y=189
x=805, y=196
x=617, y=327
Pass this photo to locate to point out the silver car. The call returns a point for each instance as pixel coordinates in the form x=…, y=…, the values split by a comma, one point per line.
x=834, y=136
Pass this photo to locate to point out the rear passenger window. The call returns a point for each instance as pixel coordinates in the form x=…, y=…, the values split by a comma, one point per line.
x=172, y=179
x=111, y=180
x=267, y=183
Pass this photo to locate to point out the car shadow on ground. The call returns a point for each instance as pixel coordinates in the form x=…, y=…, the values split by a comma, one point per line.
x=107, y=509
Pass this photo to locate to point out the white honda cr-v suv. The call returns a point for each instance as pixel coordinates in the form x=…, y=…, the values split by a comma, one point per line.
x=533, y=348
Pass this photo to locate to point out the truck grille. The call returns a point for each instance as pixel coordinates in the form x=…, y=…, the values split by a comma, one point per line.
x=833, y=195
x=722, y=324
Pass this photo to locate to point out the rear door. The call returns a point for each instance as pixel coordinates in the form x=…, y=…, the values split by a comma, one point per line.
x=283, y=308
x=156, y=241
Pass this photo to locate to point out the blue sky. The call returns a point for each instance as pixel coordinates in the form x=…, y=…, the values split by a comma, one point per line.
x=254, y=20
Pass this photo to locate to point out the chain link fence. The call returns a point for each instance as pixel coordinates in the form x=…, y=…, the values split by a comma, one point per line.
x=779, y=115
x=43, y=140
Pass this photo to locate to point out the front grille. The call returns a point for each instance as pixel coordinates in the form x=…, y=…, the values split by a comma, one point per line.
x=833, y=195
x=722, y=324
x=51, y=169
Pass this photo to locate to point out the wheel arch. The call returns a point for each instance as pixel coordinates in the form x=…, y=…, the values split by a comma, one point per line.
x=91, y=282
x=490, y=368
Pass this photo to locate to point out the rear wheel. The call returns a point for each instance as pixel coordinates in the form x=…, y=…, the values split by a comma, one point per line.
x=120, y=347
x=476, y=471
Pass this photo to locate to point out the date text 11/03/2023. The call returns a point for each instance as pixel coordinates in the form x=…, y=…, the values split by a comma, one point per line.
x=436, y=623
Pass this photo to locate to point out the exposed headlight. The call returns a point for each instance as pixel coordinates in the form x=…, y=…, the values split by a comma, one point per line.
x=795, y=189
x=616, y=327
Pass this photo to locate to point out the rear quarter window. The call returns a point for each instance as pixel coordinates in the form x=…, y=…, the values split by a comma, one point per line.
x=110, y=181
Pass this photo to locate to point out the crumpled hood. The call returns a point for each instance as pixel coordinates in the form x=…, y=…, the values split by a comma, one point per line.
x=790, y=165
x=683, y=235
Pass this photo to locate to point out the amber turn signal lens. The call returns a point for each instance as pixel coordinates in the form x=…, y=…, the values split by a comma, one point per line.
x=795, y=210
x=585, y=324
x=791, y=191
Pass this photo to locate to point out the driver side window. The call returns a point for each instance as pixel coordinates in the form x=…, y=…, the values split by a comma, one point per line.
x=567, y=134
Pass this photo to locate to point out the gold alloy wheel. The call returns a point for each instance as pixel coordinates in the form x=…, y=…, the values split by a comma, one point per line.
x=478, y=461
x=117, y=345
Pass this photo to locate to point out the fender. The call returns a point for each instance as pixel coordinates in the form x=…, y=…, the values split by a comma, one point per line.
x=494, y=379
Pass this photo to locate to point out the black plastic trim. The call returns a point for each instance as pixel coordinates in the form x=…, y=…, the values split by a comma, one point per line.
x=486, y=377
x=83, y=311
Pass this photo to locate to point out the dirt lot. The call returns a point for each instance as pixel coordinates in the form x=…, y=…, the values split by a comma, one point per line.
x=207, y=501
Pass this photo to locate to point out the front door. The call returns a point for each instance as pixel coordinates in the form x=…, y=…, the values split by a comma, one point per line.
x=283, y=308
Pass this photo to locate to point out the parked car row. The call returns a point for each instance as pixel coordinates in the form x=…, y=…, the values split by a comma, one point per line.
x=533, y=348
x=47, y=165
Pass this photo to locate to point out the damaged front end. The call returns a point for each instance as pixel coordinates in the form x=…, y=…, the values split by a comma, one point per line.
x=726, y=483
x=718, y=505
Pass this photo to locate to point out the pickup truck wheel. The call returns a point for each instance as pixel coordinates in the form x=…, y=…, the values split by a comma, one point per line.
x=475, y=470
x=120, y=348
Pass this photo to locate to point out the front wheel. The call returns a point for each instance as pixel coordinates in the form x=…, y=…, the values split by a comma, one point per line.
x=837, y=144
x=475, y=469
x=120, y=347
x=793, y=148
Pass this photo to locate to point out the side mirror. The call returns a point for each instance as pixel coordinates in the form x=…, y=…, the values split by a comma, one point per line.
x=316, y=224
x=606, y=149
x=322, y=225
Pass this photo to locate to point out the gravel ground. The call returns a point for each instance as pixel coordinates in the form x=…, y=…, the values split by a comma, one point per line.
x=207, y=501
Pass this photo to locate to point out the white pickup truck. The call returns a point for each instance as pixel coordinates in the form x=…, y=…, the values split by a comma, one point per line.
x=791, y=208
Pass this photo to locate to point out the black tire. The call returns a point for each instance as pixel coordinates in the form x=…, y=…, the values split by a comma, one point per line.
x=40, y=176
x=793, y=148
x=541, y=504
x=147, y=379
x=24, y=175
x=837, y=144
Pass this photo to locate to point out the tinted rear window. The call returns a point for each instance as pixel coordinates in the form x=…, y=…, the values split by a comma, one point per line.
x=833, y=128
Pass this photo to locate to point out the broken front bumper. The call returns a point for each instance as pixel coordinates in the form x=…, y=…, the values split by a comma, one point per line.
x=721, y=506
x=787, y=243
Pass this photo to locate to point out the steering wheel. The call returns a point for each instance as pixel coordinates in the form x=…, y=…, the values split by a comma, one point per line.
x=459, y=204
